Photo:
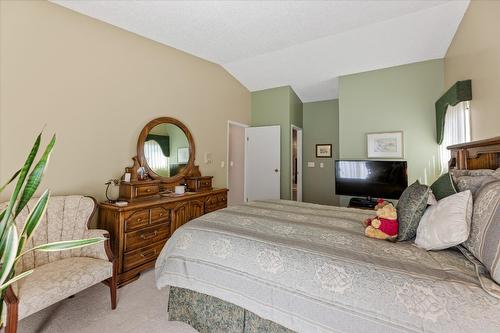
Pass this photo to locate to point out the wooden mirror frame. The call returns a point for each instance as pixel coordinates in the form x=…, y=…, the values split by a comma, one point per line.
x=142, y=158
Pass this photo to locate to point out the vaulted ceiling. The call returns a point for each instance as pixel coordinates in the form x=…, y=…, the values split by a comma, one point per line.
x=304, y=44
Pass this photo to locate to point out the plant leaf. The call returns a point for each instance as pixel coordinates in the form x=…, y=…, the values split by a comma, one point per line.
x=10, y=180
x=67, y=245
x=20, y=181
x=33, y=220
x=35, y=177
x=15, y=278
x=10, y=252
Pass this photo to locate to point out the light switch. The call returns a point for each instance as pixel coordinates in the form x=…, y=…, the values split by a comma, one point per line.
x=222, y=164
x=322, y=165
x=231, y=164
x=311, y=164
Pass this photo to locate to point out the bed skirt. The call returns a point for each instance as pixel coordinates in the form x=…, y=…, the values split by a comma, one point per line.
x=209, y=314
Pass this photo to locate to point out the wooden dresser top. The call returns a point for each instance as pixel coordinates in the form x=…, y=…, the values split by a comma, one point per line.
x=161, y=199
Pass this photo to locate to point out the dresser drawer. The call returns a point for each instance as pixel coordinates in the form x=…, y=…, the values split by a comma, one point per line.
x=136, y=220
x=143, y=237
x=146, y=190
x=141, y=256
x=215, y=202
x=160, y=214
x=196, y=184
x=206, y=183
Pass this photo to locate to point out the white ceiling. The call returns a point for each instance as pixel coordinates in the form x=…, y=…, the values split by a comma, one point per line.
x=304, y=44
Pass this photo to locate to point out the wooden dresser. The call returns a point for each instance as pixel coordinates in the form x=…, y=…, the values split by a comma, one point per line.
x=140, y=230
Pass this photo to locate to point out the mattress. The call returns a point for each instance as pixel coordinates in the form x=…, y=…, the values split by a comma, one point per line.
x=310, y=268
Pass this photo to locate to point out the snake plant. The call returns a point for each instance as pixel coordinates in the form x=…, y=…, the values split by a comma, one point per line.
x=12, y=242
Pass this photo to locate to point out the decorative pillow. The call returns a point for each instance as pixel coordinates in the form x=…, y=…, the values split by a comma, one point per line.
x=484, y=239
x=455, y=174
x=411, y=206
x=473, y=183
x=496, y=173
x=443, y=186
x=446, y=224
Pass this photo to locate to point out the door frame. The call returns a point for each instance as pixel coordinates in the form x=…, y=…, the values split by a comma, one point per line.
x=235, y=123
x=299, y=165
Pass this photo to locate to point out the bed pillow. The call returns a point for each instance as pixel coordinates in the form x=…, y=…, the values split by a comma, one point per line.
x=455, y=174
x=484, y=239
x=411, y=206
x=473, y=183
x=443, y=187
x=446, y=224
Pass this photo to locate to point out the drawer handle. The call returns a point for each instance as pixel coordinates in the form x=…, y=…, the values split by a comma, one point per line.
x=150, y=235
x=148, y=253
x=161, y=214
x=139, y=219
x=148, y=190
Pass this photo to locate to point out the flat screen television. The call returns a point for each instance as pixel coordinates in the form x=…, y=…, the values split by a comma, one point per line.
x=372, y=179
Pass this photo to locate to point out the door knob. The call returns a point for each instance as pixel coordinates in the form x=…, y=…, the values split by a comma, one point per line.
x=276, y=170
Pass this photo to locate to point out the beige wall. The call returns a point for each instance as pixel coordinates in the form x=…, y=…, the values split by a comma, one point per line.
x=475, y=54
x=96, y=86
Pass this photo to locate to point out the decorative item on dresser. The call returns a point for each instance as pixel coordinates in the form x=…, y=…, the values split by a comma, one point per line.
x=140, y=229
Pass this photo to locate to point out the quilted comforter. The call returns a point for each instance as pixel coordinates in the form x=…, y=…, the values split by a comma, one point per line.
x=311, y=269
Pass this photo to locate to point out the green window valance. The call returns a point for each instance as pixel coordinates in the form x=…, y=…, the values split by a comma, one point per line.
x=162, y=140
x=461, y=91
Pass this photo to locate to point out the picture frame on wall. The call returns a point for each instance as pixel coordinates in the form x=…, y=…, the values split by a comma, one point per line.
x=385, y=144
x=182, y=155
x=323, y=150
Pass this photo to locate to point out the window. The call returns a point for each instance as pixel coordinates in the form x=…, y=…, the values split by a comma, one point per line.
x=456, y=130
x=156, y=160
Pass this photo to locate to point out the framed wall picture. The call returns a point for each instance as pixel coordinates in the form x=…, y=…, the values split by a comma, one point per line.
x=324, y=150
x=182, y=155
x=385, y=145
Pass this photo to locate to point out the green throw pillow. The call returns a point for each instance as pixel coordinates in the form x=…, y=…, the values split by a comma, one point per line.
x=411, y=207
x=443, y=187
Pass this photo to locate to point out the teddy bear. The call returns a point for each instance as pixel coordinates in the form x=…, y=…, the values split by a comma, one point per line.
x=385, y=225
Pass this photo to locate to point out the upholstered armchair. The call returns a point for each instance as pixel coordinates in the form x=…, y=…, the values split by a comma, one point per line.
x=59, y=275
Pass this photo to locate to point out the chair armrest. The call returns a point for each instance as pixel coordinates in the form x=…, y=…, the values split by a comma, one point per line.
x=100, y=250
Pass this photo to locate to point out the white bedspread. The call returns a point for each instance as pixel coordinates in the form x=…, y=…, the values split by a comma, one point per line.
x=310, y=268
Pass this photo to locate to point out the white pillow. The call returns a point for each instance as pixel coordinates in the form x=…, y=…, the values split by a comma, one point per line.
x=446, y=224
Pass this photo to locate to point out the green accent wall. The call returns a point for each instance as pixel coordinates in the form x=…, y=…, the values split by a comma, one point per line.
x=320, y=125
x=279, y=106
x=392, y=99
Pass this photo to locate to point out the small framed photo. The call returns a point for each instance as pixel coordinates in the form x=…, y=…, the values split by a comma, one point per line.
x=182, y=155
x=385, y=145
x=126, y=177
x=324, y=150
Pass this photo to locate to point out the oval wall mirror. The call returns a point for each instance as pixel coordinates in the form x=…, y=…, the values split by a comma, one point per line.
x=166, y=149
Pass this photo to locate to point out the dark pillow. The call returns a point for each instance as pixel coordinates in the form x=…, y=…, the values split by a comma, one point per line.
x=411, y=206
x=443, y=187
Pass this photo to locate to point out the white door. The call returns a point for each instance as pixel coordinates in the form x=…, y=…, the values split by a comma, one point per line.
x=299, y=165
x=262, y=163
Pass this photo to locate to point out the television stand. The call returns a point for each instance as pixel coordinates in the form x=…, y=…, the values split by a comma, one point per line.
x=363, y=203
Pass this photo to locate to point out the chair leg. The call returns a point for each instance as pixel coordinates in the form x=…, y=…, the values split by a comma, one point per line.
x=113, y=286
x=11, y=326
x=112, y=289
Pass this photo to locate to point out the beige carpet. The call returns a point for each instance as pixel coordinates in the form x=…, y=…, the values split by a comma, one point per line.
x=141, y=308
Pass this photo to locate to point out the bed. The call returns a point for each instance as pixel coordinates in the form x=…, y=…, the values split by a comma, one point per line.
x=282, y=266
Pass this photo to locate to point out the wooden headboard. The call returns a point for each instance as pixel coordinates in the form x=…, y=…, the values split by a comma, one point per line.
x=483, y=154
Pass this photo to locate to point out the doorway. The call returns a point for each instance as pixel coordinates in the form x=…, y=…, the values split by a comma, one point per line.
x=296, y=164
x=235, y=162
